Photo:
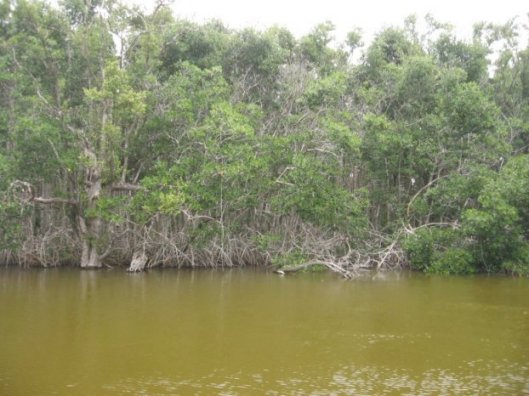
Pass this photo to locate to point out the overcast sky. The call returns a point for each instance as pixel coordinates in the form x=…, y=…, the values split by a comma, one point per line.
x=370, y=15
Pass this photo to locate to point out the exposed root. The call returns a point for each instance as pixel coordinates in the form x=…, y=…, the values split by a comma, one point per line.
x=138, y=262
x=377, y=253
x=179, y=242
x=54, y=248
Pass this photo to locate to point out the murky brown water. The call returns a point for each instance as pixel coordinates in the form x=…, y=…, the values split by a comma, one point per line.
x=71, y=332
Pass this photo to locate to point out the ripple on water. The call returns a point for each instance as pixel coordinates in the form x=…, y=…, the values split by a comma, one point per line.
x=481, y=377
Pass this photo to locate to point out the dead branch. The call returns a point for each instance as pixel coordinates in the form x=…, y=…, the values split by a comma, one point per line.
x=139, y=260
x=26, y=194
x=421, y=190
x=126, y=187
x=51, y=201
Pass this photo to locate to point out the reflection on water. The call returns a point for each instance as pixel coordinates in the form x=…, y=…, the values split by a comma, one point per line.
x=246, y=332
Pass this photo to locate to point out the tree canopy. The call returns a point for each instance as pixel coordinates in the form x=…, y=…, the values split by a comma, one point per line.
x=134, y=137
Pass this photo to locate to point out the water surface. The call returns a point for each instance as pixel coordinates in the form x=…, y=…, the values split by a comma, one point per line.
x=239, y=332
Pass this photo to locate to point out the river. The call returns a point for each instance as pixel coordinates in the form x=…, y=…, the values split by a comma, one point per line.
x=240, y=332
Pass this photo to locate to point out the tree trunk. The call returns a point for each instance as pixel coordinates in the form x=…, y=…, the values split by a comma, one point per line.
x=90, y=257
x=91, y=228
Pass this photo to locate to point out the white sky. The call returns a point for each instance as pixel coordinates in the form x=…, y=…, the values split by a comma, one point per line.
x=369, y=15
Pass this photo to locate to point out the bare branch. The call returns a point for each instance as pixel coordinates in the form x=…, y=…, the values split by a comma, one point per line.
x=421, y=190
x=51, y=201
x=27, y=195
x=126, y=187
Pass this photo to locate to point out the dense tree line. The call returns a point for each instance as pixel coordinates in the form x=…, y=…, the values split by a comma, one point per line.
x=134, y=138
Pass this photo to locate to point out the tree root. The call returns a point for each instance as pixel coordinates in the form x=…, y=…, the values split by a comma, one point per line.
x=138, y=262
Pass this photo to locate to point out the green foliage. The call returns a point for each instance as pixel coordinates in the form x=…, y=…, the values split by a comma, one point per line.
x=327, y=91
x=110, y=209
x=354, y=40
x=518, y=265
x=311, y=192
x=266, y=242
x=293, y=258
x=499, y=226
x=315, y=47
x=472, y=58
x=470, y=111
x=453, y=194
x=493, y=234
x=427, y=249
x=391, y=46
x=452, y=261
x=202, y=46
x=163, y=193
x=229, y=135
x=439, y=251
x=11, y=215
x=419, y=85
